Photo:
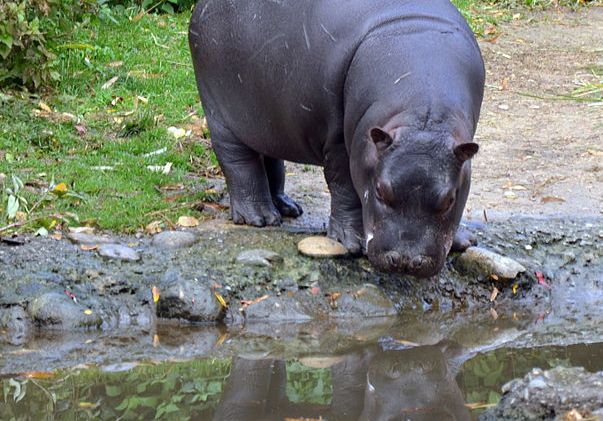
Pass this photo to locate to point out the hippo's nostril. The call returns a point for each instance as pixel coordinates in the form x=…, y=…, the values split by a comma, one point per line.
x=417, y=262
x=392, y=258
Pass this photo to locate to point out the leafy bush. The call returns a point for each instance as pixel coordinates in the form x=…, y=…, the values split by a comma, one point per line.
x=27, y=30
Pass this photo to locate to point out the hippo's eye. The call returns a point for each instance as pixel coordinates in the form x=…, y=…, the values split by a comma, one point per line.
x=446, y=202
x=379, y=191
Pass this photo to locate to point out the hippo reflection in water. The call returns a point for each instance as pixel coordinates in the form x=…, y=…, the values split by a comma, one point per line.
x=368, y=384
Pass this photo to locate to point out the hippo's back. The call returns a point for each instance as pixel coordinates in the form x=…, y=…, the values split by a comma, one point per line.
x=273, y=71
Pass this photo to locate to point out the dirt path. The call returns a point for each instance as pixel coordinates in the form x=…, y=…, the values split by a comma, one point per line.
x=537, y=156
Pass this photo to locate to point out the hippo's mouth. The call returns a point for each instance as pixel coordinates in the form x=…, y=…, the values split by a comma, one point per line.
x=420, y=266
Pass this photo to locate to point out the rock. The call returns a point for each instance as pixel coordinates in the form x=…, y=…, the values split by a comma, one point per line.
x=55, y=310
x=549, y=395
x=317, y=246
x=118, y=251
x=89, y=239
x=478, y=261
x=259, y=257
x=276, y=309
x=187, y=300
x=15, y=325
x=174, y=240
x=368, y=301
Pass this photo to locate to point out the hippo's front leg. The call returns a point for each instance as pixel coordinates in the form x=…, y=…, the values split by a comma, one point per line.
x=345, y=223
x=250, y=198
x=463, y=239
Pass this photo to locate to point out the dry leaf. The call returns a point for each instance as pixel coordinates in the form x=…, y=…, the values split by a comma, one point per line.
x=153, y=228
x=247, y=303
x=88, y=312
x=118, y=63
x=552, y=199
x=479, y=405
x=88, y=247
x=494, y=314
x=156, y=294
x=187, y=221
x=110, y=82
x=42, y=105
x=494, y=294
x=515, y=288
x=39, y=375
x=405, y=343
x=156, y=342
x=494, y=276
x=85, y=230
x=57, y=236
x=334, y=295
x=594, y=152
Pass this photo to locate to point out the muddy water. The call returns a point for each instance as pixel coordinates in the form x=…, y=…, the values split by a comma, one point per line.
x=294, y=372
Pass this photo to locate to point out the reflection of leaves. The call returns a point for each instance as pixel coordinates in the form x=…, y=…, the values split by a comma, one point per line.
x=309, y=385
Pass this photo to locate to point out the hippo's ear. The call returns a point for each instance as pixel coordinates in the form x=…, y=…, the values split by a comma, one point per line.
x=465, y=151
x=381, y=139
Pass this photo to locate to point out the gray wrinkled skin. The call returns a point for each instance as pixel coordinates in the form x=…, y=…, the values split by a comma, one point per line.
x=384, y=94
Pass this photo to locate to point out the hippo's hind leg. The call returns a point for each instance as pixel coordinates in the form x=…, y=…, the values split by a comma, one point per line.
x=275, y=170
x=250, y=199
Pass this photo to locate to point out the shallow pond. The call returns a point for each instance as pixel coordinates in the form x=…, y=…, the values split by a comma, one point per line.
x=358, y=374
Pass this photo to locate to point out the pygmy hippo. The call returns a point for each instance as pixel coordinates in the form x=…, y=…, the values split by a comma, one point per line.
x=385, y=94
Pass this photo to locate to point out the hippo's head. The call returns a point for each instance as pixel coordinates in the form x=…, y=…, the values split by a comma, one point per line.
x=413, y=185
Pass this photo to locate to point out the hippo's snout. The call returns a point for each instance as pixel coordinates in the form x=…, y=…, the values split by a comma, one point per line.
x=421, y=266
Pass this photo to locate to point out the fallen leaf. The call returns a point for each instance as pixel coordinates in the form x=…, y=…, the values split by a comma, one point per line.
x=552, y=199
x=153, y=227
x=479, y=405
x=39, y=375
x=110, y=82
x=247, y=303
x=89, y=247
x=88, y=312
x=177, y=132
x=57, y=236
x=43, y=106
x=80, y=129
x=594, y=152
x=115, y=63
x=156, y=342
x=187, y=221
x=335, y=295
x=515, y=288
x=406, y=343
x=223, y=336
x=85, y=230
x=220, y=300
x=116, y=100
x=60, y=189
x=494, y=294
x=494, y=276
x=541, y=280
x=494, y=314
x=156, y=294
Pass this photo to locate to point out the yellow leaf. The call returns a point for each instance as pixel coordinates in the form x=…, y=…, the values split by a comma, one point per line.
x=188, y=221
x=88, y=311
x=156, y=294
x=43, y=106
x=60, y=189
x=156, y=341
x=87, y=405
x=515, y=287
x=221, y=300
x=153, y=228
x=39, y=374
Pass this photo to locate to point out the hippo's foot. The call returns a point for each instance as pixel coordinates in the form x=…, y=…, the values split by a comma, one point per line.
x=349, y=233
x=258, y=214
x=463, y=239
x=287, y=206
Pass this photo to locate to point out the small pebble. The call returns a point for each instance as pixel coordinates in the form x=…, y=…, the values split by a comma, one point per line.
x=118, y=251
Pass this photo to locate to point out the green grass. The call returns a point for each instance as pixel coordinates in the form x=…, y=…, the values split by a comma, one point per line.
x=115, y=127
x=155, y=89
